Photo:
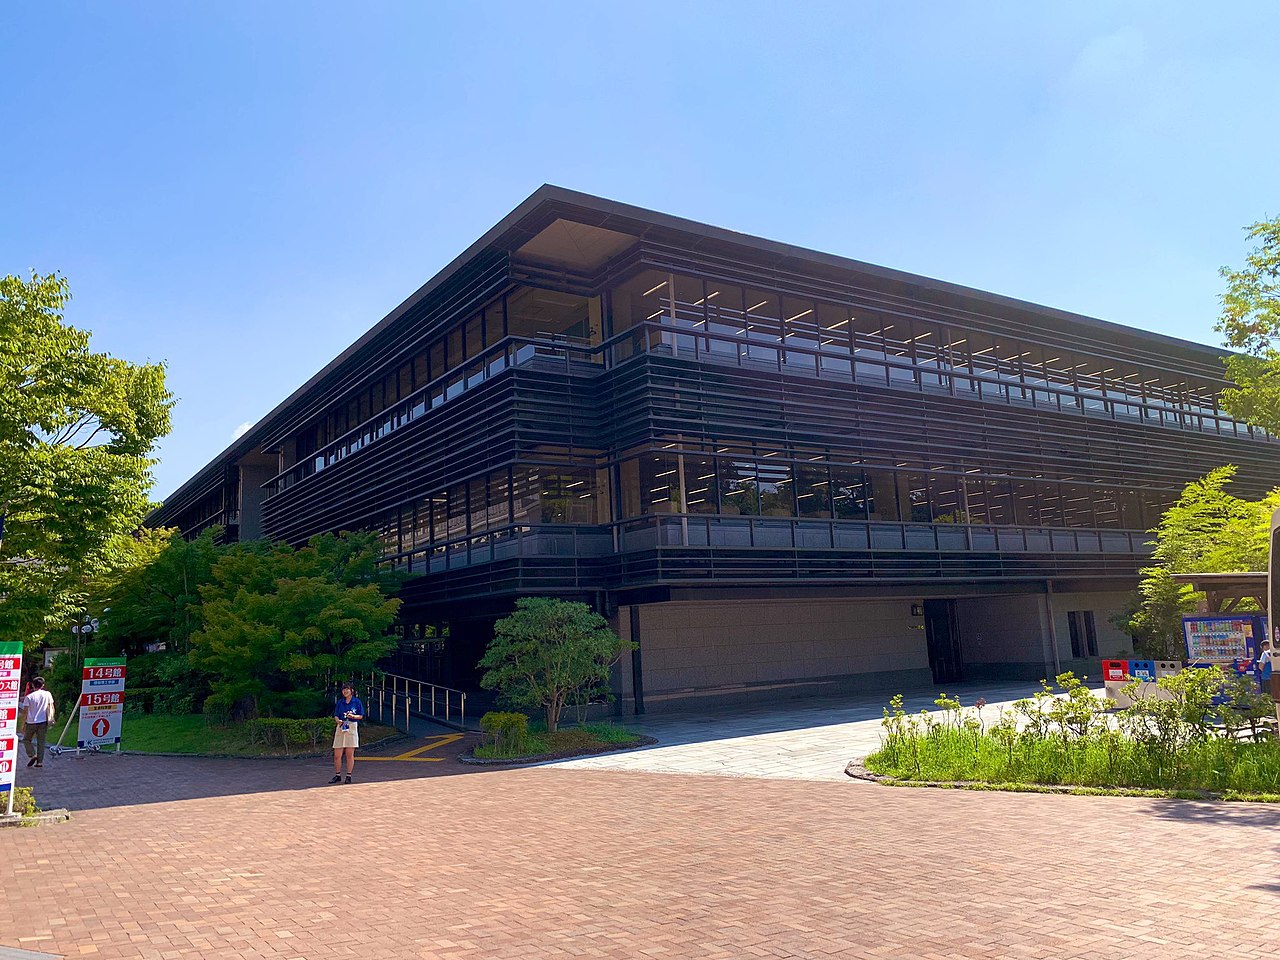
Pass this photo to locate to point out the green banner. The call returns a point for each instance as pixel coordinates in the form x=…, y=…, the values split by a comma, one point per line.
x=11, y=648
x=104, y=661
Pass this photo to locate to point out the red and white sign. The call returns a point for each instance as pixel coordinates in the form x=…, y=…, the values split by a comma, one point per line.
x=101, y=702
x=10, y=680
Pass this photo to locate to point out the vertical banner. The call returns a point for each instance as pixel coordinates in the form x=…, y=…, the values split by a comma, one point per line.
x=101, y=701
x=10, y=692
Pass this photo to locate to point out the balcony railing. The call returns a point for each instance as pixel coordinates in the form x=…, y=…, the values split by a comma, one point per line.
x=765, y=533
x=704, y=346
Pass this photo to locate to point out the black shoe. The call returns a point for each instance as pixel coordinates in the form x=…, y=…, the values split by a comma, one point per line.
x=31, y=762
x=39, y=763
x=337, y=778
x=348, y=778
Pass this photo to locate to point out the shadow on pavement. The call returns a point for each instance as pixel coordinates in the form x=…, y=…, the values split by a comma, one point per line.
x=98, y=780
x=801, y=713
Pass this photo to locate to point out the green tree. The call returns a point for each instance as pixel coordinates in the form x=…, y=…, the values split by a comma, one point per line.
x=77, y=430
x=1207, y=530
x=1251, y=321
x=547, y=652
x=281, y=626
x=158, y=601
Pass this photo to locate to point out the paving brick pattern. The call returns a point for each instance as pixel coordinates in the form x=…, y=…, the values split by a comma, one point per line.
x=549, y=862
x=810, y=740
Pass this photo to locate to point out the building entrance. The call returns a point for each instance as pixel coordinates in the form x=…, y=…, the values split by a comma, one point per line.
x=943, y=638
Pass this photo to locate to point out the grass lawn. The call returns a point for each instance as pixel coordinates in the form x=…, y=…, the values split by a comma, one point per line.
x=188, y=733
x=588, y=738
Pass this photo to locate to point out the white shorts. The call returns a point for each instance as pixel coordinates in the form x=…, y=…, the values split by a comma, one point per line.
x=346, y=738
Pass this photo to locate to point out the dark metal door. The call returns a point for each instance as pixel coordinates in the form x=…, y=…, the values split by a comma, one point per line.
x=944, y=641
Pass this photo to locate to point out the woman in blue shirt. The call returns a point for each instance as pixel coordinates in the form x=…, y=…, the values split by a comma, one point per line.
x=348, y=711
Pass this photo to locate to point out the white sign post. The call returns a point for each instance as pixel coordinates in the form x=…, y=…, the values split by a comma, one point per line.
x=10, y=692
x=101, y=702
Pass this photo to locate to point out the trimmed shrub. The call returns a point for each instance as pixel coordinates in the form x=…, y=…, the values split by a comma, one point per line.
x=510, y=731
x=285, y=734
x=24, y=802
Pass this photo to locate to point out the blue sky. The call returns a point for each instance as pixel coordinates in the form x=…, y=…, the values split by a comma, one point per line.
x=241, y=189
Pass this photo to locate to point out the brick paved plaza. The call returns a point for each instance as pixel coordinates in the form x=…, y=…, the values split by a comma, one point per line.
x=427, y=860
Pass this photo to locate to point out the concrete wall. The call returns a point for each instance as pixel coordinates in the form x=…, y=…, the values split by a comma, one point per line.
x=1112, y=644
x=1008, y=637
x=789, y=647
x=716, y=652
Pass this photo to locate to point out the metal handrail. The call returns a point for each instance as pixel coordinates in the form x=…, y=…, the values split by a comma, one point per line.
x=399, y=694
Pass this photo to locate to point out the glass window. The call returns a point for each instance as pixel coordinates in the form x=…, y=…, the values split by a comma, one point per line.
x=800, y=330
x=1077, y=505
x=629, y=479
x=868, y=346
x=473, y=335
x=689, y=311
x=457, y=524
x=567, y=495
x=494, y=326
x=1106, y=508
x=990, y=501
x=773, y=482
x=764, y=327
x=454, y=338
x=917, y=485
x=660, y=490
x=738, y=488
x=899, y=345
x=477, y=504
x=699, y=483
x=946, y=499
x=813, y=490
x=928, y=343
x=525, y=495
x=833, y=338
x=725, y=318
x=643, y=297
x=882, y=496
x=439, y=516
x=498, y=500
x=540, y=314
x=438, y=367
x=850, y=493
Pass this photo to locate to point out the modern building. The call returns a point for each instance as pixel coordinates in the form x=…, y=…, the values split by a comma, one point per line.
x=778, y=471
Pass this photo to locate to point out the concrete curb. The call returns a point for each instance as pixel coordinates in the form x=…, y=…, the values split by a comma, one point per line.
x=857, y=771
x=44, y=816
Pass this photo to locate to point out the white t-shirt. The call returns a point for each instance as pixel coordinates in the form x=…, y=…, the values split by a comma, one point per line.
x=39, y=706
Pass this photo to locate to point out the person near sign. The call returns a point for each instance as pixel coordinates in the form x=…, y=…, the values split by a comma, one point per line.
x=348, y=711
x=37, y=709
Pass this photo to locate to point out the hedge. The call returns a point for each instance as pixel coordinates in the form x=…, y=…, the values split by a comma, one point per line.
x=282, y=733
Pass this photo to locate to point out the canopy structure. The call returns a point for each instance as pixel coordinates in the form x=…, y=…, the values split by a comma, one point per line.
x=1225, y=590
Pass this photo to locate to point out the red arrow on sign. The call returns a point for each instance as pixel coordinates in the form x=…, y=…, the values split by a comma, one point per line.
x=101, y=726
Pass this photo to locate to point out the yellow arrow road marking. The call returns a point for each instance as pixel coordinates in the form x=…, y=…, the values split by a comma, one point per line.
x=434, y=743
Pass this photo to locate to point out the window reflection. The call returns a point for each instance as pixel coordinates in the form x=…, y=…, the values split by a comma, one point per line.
x=751, y=325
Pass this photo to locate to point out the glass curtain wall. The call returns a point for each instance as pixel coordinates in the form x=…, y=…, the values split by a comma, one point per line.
x=733, y=484
x=761, y=327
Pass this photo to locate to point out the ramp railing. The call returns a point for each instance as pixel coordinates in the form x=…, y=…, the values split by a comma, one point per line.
x=393, y=699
